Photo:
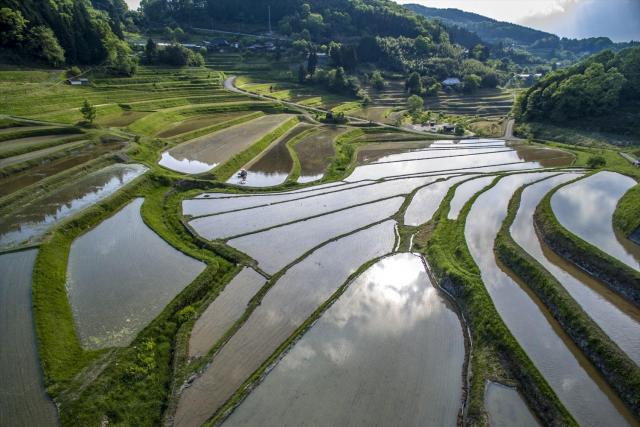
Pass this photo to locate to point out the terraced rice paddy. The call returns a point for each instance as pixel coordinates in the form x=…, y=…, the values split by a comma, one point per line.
x=484, y=103
x=506, y=407
x=294, y=297
x=365, y=350
x=28, y=224
x=82, y=155
x=619, y=319
x=301, y=305
x=199, y=122
x=586, y=207
x=115, y=284
x=24, y=401
x=273, y=167
x=582, y=390
x=224, y=311
x=315, y=151
x=204, y=153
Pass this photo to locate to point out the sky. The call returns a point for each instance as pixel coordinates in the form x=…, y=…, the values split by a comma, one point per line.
x=616, y=19
x=133, y=4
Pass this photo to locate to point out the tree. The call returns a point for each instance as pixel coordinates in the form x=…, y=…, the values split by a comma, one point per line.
x=88, y=111
x=490, y=80
x=459, y=129
x=312, y=62
x=377, y=81
x=414, y=84
x=301, y=74
x=415, y=104
x=44, y=44
x=151, y=52
x=168, y=34
x=472, y=83
x=596, y=162
x=12, y=26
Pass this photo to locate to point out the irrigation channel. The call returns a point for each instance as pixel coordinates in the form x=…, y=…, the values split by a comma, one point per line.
x=331, y=253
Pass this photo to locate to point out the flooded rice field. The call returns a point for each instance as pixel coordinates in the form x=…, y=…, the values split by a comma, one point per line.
x=293, y=298
x=213, y=203
x=16, y=182
x=221, y=314
x=506, y=408
x=466, y=155
x=277, y=247
x=120, y=276
x=23, y=400
x=576, y=382
x=547, y=157
x=250, y=220
x=28, y=224
x=427, y=200
x=373, y=152
x=586, y=209
x=199, y=122
x=619, y=319
x=464, y=192
x=274, y=166
x=315, y=152
x=30, y=143
x=366, y=349
x=203, y=154
x=40, y=153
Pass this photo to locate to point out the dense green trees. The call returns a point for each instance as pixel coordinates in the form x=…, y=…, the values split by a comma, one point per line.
x=377, y=81
x=593, y=88
x=59, y=31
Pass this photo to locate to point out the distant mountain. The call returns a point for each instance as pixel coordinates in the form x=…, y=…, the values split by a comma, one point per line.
x=488, y=29
x=540, y=43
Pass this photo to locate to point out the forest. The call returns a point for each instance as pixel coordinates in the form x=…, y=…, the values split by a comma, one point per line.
x=605, y=86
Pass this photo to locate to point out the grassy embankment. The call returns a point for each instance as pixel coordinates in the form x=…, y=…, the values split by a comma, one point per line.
x=128, y=385
x=626, y=217
x=618, y=276
x=493, y=345
x=622, y=374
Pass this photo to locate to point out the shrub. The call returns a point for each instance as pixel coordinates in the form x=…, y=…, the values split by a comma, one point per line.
x=596, y=162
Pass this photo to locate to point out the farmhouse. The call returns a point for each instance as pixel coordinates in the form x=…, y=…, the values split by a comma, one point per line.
x=451, y=81
x=78, y=82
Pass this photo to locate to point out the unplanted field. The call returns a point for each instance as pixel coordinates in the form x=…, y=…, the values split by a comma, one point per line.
x=274, y=165
x=293, y=298
x=576, y=382
x=586, y=209
x=315, y=152
x=35, y=174
x=359, y=361
x=29, y=223
x=24, y=400
x=199, y=122
x=204, y=153
x=120, y=276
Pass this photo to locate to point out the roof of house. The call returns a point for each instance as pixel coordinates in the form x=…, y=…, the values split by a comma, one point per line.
x=451, y=81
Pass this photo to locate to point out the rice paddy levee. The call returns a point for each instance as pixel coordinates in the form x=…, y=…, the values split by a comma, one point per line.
x=571, y=302
x=576, y=383
x=619, y=276
x=292, y=299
